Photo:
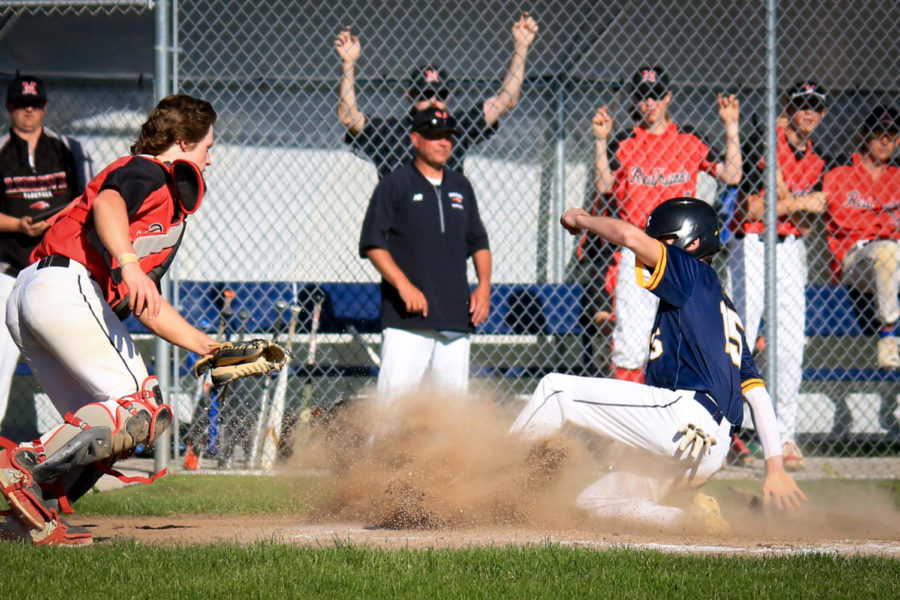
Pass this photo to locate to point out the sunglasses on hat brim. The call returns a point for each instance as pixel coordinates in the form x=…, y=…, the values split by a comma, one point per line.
x=647, y=92
x=808, y=102
x=39, y=104
x=428, y=94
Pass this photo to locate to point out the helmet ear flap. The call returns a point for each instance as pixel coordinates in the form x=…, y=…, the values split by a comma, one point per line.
x=189, y=185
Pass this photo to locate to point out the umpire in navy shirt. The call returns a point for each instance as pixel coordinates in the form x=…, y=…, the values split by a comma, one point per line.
x=421, y=226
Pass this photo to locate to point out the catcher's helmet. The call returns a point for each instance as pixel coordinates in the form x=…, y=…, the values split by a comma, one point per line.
x=687, y=219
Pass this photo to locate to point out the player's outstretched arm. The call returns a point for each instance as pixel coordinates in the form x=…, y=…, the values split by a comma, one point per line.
x=349, y=49
x=779, y=487
x=614, y=231
x=173, y=328
x=523, y=32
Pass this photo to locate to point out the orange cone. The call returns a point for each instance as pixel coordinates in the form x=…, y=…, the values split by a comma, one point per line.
x=191, y=461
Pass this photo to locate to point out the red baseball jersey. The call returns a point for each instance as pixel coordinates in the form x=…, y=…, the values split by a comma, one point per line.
x=800, y=175
x=155, y=221
x=653, y=168
x=860, y=207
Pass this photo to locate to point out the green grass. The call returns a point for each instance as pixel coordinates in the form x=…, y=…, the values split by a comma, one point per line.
x=208, y=494
x=266, y=570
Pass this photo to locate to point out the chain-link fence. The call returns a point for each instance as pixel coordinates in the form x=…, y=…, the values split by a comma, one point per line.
x=287, y=192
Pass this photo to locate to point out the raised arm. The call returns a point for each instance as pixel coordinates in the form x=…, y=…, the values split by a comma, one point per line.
x=523, y=32
x=601, y=124
x=349, y=49
x=614, y=231
x=729, y=111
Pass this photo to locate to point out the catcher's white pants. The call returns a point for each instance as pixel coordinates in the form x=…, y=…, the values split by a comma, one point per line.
x=643, y=417
x=635, y=313
x=746, y=283
x=406, y=356
x=874, y=268
x=78, y=350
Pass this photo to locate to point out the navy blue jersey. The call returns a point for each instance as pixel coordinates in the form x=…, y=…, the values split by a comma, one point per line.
x=698, y=339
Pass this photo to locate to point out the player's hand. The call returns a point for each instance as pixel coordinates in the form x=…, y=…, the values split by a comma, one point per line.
x=524, y=30
x=480, y=304
x=32, y=229
x=413, y=299
x=348, y=46
x=142, y=292
x=729, y=109
x=567, y=220
x=781, y=489
x=602, y=123
x=814, y=203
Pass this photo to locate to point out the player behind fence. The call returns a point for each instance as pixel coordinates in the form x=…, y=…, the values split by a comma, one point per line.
x=799, y=198
x=384, y=140
x=101, y=260
x=863, y=217
x=679, y=423
x=41, y=171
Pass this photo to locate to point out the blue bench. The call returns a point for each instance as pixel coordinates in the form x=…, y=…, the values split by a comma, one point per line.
x=833, y=311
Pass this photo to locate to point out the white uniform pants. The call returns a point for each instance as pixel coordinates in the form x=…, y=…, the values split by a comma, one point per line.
x=406, y=356
x=746, y=282
x=874, y=268
x=635, y=313
x=77, y=348
x=643, y=417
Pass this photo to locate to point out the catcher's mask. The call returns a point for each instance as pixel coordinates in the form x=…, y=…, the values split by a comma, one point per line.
x=686, y=219
x=189, y=185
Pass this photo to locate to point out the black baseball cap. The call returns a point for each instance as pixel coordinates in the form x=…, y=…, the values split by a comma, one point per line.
x=26, y=90
x=649, y=82
x=882, y=119
x=807, y=94
x=427, y=81
x=434, y=120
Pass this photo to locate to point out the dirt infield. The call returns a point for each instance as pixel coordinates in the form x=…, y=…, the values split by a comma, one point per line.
x=184, y=530
x=450, y=476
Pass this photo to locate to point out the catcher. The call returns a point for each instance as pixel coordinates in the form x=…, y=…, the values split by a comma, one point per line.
x=102, y=259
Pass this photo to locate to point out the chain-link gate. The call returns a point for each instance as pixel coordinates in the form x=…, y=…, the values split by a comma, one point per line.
x=100, y=110
x=287, y=194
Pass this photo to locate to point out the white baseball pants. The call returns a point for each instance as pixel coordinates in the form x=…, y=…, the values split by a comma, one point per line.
x=643, y=417
x=9, y=352
x=635, y=313
x=406, y=356
x=77, y=348
x=746, y=284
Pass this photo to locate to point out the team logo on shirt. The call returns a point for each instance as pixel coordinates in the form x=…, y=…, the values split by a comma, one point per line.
x=456, y=200
x=39, y=205
x=856, y=200
x=657, y=176
x=417, y=198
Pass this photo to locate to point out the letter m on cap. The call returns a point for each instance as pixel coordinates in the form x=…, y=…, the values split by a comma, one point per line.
x=29, y=88
x=649, y=75
x=431, y=76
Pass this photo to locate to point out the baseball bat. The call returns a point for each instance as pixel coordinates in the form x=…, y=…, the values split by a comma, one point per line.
x=212, y=430
x=264, y=405
x=307, y=408
x=373, y=356
x=227, y=421
x=272, y=436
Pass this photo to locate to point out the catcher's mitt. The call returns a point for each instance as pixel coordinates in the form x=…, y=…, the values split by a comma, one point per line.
x=232, y=361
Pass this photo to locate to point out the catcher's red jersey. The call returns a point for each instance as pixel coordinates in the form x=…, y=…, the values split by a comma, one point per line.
x=800, y=175
x=859, y=207
x=654, y=168
x=156, y=224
